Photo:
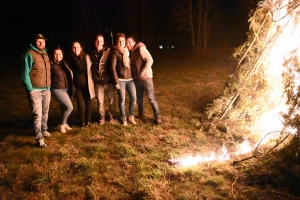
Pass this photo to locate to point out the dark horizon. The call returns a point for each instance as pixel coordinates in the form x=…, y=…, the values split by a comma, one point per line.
x=63, y=22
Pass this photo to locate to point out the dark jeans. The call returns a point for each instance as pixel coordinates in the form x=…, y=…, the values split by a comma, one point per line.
x=84, y=103
x=146, y=87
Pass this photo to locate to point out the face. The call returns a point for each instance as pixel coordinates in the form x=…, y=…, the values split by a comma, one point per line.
x=130, y=44
x=76, y=48
x=58, y=55
x=99, y=42
x=121, y=42
x=40, y=44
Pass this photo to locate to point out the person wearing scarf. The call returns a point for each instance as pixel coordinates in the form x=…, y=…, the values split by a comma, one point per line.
x=80, y=63
x=122, y=77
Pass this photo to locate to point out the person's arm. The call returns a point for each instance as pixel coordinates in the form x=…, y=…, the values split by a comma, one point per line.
x=26, y=66
x=114, y=69
x=146, y=56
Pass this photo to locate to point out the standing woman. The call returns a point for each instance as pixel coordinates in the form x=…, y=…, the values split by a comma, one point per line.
x=123, y=80
x=80, y=63
x=62, y=87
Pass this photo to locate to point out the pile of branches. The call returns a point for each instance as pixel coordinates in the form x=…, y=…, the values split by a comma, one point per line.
x=247, y=93
x=246, y=85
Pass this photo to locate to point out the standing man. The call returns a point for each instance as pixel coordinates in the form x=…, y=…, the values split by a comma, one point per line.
x=35, y=75
x=141, y=62
x=102, y=79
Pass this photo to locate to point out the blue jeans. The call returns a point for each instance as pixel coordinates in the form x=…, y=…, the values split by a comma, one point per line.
x=39, y=102
x=62, y=97
x=100, y=90
x=130, y=88
x=146, y=87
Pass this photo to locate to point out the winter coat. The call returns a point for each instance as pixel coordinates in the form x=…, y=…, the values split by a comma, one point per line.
x=101, y=72
x=119, y=71
x=141, y=62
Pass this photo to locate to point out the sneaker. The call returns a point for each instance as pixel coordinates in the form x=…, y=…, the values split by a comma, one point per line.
x=62, y=128
x=68, y=127
x=102, y=121
x=124, y=121
x=41, y=143
x=158, y=120
x=46, y=134
x=131, y=120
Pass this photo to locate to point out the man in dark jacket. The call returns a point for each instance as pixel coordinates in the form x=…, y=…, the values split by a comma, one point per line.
x=141, y=62
x=102, y=79
x=35, y=75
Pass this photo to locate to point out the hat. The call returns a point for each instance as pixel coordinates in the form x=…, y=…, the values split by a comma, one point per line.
x=39, y=36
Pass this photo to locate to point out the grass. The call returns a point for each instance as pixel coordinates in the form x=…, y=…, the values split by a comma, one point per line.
x=117, y=162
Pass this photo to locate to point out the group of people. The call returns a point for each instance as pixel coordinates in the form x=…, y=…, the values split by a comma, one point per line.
x=102, y=71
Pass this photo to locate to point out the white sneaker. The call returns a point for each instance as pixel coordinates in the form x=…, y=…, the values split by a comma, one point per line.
x=41, y=143
x=124, y=120
x=46, y=134
x=62, y=128
x=131, y=120
x=68, y=127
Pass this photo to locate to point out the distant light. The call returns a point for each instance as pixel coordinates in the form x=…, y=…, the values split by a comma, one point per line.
x=160, y=47
x=173, y=47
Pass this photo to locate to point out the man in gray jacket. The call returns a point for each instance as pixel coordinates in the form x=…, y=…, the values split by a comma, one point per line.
x=141, y=62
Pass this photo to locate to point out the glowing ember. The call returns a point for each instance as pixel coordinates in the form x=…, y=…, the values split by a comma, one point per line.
x=189, y=161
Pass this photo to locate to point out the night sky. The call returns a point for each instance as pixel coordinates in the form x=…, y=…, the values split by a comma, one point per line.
x=63, y=21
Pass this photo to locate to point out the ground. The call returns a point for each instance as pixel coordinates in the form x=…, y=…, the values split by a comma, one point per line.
x=116, y=162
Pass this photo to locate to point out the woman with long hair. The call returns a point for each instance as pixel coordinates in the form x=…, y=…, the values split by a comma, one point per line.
x=62, y=87
x=80, y=63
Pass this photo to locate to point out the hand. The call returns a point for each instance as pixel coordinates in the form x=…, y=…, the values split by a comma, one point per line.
x=31, y=92
x=118, y=86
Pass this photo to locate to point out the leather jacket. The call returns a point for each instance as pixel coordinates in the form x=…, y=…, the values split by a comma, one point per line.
x=119, y=71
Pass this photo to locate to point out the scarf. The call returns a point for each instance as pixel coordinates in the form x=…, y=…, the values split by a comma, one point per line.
x=124, y=51
x=80, y=62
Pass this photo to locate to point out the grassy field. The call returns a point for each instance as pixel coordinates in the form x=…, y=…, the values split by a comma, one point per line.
x=117, y=162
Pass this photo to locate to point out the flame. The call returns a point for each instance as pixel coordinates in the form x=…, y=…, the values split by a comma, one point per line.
x=288, y=24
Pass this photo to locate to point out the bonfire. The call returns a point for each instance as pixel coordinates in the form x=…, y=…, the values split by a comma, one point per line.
x=261, y=99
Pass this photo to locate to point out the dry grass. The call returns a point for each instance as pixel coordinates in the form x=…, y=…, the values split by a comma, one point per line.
x=116, y=162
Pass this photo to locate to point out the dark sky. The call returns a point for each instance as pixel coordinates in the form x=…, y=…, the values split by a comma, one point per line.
x=63, y=21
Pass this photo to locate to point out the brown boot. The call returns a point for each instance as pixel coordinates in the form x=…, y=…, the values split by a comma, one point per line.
x=158, y=120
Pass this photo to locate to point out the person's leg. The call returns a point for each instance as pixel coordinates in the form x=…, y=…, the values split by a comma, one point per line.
x=149, y=91
x=81, y=106
x=140, y=97
x=35, y=102
x=130, y=88
x=99, y=90
x=88, y=105
x=62, y=97
x=46, y=95
x=121, y=94
x=110, y=91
